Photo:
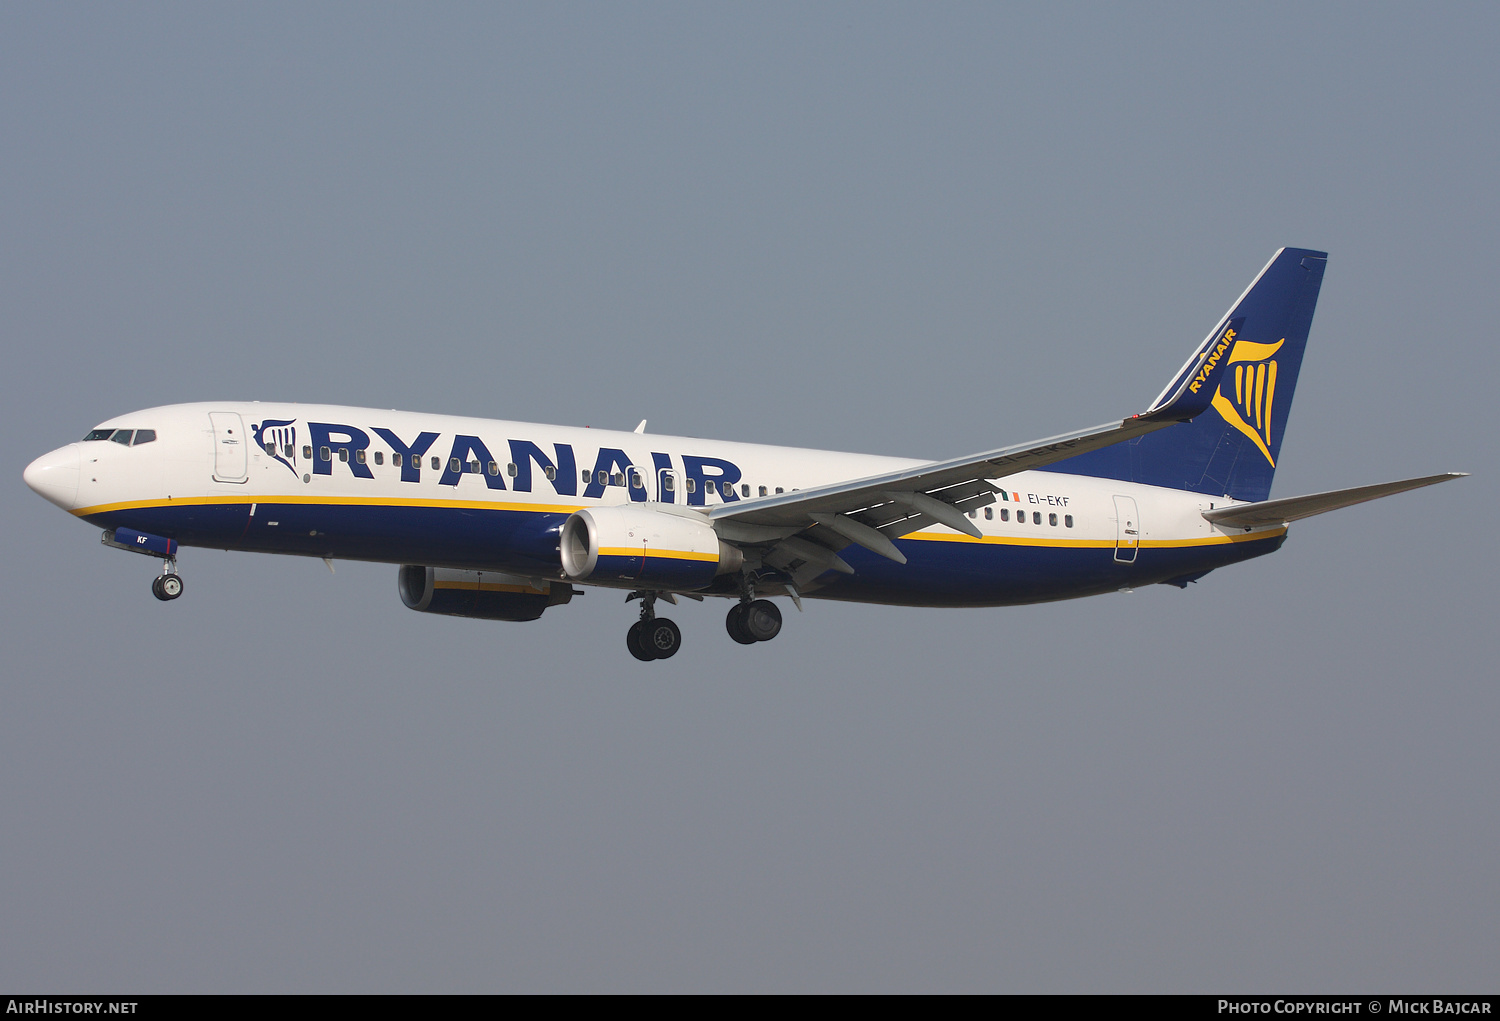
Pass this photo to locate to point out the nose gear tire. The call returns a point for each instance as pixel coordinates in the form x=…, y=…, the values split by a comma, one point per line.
x=167, y=587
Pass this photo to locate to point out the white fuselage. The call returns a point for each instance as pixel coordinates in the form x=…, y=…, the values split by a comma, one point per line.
x=325, y=481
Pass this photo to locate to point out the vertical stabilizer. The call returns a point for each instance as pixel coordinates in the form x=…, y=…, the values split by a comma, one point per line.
x=1231, y=449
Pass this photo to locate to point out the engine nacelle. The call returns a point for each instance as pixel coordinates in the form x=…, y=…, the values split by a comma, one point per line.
x=636, y=546
x=485, y=594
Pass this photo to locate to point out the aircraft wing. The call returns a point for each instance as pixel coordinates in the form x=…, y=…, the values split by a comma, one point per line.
x=961, y=483
x=874, y=510
x=1279, y=512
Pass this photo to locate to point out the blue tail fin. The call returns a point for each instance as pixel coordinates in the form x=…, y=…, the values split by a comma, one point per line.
x=1230, y=449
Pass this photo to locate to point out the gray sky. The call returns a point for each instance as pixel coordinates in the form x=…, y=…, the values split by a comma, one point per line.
x=917, y=230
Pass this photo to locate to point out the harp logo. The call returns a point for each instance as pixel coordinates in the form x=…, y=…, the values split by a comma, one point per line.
x=1250, y=377
x=279, y=439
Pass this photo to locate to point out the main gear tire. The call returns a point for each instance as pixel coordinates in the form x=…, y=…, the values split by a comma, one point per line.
x=734, y=623
x=635, y=641
x=762, y=620
x=662, y=637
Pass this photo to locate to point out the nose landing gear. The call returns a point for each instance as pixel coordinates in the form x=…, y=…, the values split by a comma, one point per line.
x=168, y=585
x=652, y=637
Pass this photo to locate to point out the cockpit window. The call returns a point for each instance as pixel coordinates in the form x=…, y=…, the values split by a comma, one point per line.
x=98, y=434
x=144, y=436
x=122, y=437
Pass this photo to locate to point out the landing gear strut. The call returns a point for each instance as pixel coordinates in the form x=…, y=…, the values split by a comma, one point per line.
x=652, y=637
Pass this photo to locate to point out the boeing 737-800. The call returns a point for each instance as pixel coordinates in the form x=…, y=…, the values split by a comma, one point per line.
x=501, y=520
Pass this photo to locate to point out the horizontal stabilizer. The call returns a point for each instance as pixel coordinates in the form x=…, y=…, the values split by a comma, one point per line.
x=1279, y=512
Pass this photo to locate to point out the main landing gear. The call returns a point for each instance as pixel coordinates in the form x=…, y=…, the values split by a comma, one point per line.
x=168, y=585
x=755, y=621
x=652, y=637
x=750, y=620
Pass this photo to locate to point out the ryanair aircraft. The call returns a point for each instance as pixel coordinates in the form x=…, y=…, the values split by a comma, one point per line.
x=501, y=520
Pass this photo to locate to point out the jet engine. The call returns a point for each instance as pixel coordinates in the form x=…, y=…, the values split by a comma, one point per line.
x=485, y=594
x=636, y=546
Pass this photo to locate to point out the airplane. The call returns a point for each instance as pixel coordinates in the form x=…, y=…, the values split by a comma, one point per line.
x=501, y=520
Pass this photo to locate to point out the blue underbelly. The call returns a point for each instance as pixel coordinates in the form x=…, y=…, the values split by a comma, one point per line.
x=937, y=573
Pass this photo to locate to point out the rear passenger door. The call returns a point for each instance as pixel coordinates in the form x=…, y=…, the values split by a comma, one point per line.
x=1127, y=529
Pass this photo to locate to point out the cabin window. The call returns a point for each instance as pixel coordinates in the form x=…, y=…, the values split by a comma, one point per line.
x=637, y=480
x=692, y=485
x=324, y=454
x=344, y=454
x=98, y=434
x=710, y=486
x=359, y=455
x=1052, y=520
x=494, y=468
x=1004, y=513
x=780, y=490
x=1068, y=520
x=1036, y=517
x=286, y=451
x=437, y=462
x=973, y=513
x=584, y=476
x=550, y=472
x=380, y=457
x=668, y=482
x=396, y=460
x=989, y=514
x=454, y=464
x=122, y=436
x=511, y=469
x=762, y=490
x=307, y=453
x=745, y=490
x=617, y=479
x=602, y=478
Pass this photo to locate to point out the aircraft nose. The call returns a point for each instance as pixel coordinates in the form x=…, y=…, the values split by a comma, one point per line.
x=54, y=476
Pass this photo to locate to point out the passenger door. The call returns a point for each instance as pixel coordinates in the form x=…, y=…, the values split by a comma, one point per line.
x=1127, y=529
x=231, y=451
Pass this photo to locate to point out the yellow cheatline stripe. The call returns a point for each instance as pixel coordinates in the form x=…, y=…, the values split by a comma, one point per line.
x=1007, y=540
x=332, y=501
x=487, y=587
x=669, y=554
